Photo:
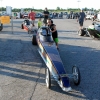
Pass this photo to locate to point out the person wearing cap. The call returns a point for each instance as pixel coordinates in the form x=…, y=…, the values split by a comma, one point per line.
x=46, y=16
x=81, y=18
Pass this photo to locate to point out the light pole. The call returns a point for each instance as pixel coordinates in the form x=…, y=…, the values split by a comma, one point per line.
x=78, y=4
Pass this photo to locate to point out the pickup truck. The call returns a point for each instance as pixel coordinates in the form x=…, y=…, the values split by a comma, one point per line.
x=89, y=17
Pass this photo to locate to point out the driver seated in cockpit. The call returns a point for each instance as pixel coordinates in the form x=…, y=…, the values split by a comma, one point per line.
x=26, y=21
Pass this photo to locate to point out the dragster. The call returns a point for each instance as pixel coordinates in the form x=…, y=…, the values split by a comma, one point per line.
x=49, y=53
x=25, y=25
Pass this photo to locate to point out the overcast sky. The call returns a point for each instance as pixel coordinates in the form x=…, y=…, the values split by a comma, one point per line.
x=51, y=4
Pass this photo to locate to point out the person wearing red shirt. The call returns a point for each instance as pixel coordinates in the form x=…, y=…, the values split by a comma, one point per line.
x=32, y=16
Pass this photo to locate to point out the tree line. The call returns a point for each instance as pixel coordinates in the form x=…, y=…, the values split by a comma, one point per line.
x=57, y=9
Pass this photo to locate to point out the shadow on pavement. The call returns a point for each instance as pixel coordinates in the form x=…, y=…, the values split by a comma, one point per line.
x=22, y=55
x=67, y=30
x=74, y=38
x=87, y=60
x=19, y=74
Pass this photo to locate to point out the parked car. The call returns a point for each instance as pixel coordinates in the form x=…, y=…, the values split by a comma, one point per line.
x=55, y=15
x=51, y=15
x=60, y=15
x=68, y=16
x=38, y=15
x=89, y=17
x=65, y=15
x=25, y=15
x=76, y=15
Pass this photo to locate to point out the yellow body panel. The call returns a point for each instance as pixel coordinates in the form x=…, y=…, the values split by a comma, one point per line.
x=5, y=19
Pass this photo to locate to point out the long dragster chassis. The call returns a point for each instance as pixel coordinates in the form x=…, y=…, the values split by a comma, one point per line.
x=51, y=57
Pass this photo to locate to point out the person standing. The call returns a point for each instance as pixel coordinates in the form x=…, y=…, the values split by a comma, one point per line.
x=53, y=31
x=32, y=28
x=39, y=23
x=81, y=19
x=46, y=16
x=32, y=16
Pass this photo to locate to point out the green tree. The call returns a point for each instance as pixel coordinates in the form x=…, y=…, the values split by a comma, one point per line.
x=92, y=9
x=58, y=8
x=85, y=9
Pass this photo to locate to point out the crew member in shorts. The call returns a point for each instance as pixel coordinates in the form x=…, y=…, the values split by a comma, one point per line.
x=54, y=31
x=81, y=19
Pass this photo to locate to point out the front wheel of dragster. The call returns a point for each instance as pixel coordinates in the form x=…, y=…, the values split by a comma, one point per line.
x=1, y=27
x=34, y=42
x=48, y=78
x=76, y=75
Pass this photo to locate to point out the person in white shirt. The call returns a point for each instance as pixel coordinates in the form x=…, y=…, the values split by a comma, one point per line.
x=32, y=28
